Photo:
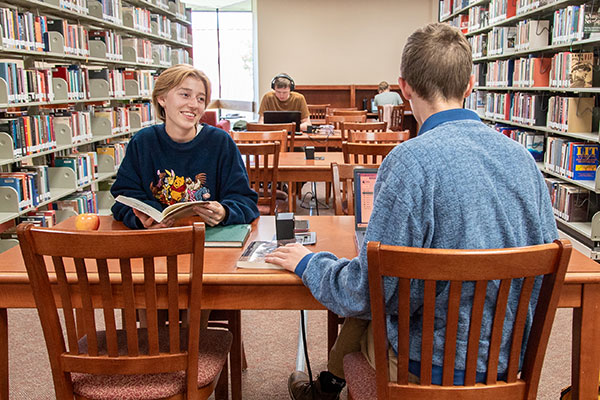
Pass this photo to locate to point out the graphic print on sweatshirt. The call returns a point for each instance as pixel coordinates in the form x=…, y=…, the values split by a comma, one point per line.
x=171, y=189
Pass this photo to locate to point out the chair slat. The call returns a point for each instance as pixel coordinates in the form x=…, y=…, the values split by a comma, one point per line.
x=517, y=335
x=87, y=307
x=130, y=310
x=173, y=294
x=475, y=332
x=65, y=298
x=403, y=326
x=497, y=329
x=427, y=331
x=451, y=332
x=108, y=307
x=151, y=306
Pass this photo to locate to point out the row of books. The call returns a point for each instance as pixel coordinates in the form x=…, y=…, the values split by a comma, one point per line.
x=501, y=10
x=30, y=133
x=569, y=202
x=478, y=18
x=571, y=23
x=43, y=218
x=501, y=40
x=180, y=56
x=528, y=108
x=31, y=184
x=26, y=85
x=448, y=7
x=112, y=10
x=81, y=202
x=570, y=114
x=115, y=149
x=532, y=34
x=163, y=53
x=118, y=117
x=113, y=42
x=532, y=141
x=85, y=166
x=572, y=70
x=572, y=159
x=478, y=45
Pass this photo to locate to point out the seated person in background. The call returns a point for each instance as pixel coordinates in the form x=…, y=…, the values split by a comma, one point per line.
x=283, y=98
x=386, y=96
x=424, y=193
x=182, y=160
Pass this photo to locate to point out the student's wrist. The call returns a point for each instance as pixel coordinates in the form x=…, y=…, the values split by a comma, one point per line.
x=299, y=270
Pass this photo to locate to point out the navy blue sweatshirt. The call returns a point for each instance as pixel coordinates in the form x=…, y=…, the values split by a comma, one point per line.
x=160, y=172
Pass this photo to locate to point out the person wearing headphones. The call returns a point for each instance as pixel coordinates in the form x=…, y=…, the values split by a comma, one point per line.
x=283, y=98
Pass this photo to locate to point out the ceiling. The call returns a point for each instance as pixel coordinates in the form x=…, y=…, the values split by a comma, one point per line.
x=221, y=5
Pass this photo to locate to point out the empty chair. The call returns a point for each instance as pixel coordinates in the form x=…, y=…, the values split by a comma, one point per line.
x=377, y=137
x=392, y=115
x=261, y=137
x=317, y=111
x=336, y=120
x=290, y=128
x=102, y=274
x=349, y=112
x=490, y=275
x=262, y=164
x=365, y=153
x=331, y=110
x=362, y=126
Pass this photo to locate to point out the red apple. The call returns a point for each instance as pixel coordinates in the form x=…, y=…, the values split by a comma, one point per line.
x=87, y=222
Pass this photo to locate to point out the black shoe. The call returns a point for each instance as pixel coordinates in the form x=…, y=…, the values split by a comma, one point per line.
x=300, y=388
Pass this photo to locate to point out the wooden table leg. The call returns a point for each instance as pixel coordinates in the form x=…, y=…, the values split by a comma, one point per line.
x=236, y=356
x=291, y=198
x=585, y=367
x=3, y=354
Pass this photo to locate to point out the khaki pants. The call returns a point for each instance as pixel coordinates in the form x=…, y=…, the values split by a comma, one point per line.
x=357, y=335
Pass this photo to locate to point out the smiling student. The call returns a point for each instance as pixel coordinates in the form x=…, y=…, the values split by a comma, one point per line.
x=182, y=160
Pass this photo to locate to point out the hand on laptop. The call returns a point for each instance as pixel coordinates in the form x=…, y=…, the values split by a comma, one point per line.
x=288, y=256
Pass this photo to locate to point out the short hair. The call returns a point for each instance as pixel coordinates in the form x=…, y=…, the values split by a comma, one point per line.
x=281, y=82
x=173, y=77
x=437, y=62
x=383, y=86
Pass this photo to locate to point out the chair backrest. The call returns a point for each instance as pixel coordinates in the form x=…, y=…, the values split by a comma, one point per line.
x=331, y=110
x=395, y=119
x=365, y=153
x=362, y=126
x=377, y=137
x=342, y=176
x=92, y=270
x=318, y=111
x=290, y=128
x=456, y=269
x=262, y=164
x=349, y=112
x=262, y=137
x=336, y=120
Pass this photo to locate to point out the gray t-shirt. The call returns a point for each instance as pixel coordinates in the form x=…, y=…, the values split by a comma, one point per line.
x=392, y=98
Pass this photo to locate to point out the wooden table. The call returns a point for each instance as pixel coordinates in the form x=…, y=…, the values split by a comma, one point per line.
x=294, y=167
x=226, y=287
x=317, y=140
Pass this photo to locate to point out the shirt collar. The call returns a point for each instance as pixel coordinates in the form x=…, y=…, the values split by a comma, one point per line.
x=446, y=116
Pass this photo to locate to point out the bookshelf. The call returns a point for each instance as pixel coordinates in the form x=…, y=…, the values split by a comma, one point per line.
x=76, y=79
x=508, y=37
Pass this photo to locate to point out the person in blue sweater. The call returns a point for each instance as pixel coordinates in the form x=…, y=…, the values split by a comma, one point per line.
x=458, y=185
x=182, y=160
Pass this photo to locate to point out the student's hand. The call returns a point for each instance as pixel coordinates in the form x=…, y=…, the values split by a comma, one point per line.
x=288, y=256
x=150, y=223
x=212, y=212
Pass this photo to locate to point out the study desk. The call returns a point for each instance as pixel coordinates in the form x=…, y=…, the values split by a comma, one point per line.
x=318, y=140
x=226, y=287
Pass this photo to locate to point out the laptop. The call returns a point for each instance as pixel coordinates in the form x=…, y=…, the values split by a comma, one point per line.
x=364, y=185
x=283, y=117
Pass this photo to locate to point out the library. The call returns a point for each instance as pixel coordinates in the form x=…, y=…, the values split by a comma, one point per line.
x=93, y=309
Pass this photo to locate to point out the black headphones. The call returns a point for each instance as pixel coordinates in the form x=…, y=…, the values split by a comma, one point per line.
x=284, y=76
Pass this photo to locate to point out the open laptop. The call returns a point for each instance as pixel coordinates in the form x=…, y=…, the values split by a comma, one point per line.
x=364, y=185
x=283, y=117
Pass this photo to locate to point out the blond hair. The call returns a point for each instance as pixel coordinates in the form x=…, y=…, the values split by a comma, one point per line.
x=437, y=62
x=172, y=78
x=383, y=86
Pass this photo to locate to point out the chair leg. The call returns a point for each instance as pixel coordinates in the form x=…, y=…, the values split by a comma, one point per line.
x=244, y=361
x=222, y=389
x=332, y=330
x=236, y=354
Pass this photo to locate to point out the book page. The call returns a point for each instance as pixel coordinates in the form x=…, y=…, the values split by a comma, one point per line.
x=141, y=206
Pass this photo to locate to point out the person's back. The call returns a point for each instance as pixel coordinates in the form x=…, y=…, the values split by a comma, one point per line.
x=385, y=96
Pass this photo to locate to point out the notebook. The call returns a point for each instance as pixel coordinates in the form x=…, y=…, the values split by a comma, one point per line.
x=364, y=183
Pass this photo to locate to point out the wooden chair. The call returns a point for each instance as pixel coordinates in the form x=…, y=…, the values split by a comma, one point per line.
x=262, y=137
x=362, y=127
x=350, y=112
x=458, y=269
x=262, y=164
x=331, y=110
x=290, y=128
x=365, y=153
x=336, y=120
x=317, y=111
x=396, y=117
x=94, y=273
x=378, y=137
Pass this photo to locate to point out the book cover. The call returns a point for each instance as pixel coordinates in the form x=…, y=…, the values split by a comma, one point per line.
x=584, y=161
x=177, y=210
x=254, y=255
x=226, y=236
x=581, y=70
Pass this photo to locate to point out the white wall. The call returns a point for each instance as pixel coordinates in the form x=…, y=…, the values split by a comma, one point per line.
x=336, y=41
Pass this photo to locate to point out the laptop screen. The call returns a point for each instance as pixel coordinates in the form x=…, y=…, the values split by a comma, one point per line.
x=364, y=185
x=283, y=117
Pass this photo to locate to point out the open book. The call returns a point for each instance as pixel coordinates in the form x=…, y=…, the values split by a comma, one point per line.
x=254, y=255
x=177, y=210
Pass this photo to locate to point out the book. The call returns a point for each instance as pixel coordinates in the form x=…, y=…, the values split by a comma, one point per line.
x=254, y=255
x=177, y=210
x=226, y=236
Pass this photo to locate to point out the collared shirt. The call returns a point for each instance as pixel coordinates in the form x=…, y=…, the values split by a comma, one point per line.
x=446, y=116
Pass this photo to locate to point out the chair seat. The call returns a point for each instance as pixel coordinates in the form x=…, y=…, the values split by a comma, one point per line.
x=360, y=377
x=214, y=348
x=281, y=200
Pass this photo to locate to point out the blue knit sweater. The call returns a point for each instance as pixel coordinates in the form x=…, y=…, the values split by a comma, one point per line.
x=461, y=185
x=160, y=172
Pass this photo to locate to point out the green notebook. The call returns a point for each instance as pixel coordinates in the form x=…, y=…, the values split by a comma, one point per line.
x=226, y=236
